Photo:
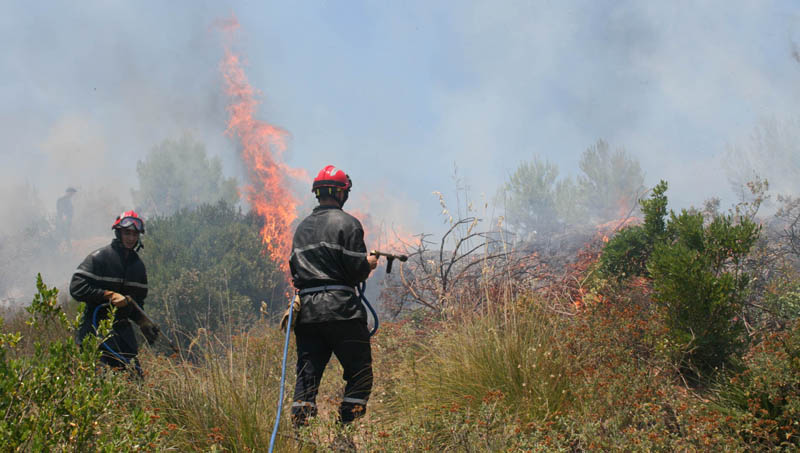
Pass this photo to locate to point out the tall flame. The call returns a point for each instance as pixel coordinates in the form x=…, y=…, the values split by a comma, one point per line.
x=262, y=148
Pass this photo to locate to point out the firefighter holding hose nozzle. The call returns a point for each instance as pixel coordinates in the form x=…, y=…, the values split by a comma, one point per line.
x=115, y=275
x=328, y=260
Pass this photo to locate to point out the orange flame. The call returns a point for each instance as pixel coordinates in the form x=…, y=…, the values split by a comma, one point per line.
x=378, y=233
x=262, y=147
x=379, y=236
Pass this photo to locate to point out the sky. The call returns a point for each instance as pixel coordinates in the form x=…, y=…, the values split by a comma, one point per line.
x=407, y=97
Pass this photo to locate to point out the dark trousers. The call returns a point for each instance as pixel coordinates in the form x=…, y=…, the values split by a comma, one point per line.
x=349, y=340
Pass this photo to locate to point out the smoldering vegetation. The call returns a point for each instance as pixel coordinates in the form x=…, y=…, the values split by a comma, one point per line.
x=627, y=329
x=570, y=312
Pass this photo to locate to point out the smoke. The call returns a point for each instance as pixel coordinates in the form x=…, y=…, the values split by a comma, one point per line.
x=393, y=93
x=771, y=151
x=86, y=93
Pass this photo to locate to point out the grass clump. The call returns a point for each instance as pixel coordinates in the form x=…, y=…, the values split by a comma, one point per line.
x=484, y=375
x=226, y=399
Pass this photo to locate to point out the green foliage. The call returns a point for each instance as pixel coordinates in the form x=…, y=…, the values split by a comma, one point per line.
x=782, y=298
x=531, y=203
x=627, y=253
x=699, y=280
x=177, y=175
x=610, y=183
x=568, y=197
x=698, y=277
x=518, y=356
x=44, y=309
x=59, y=398
x=207, y=268
x=655, y=211
x=538, y=201
x=764, y=398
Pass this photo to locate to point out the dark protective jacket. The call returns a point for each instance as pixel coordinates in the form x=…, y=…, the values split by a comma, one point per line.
x=64, y=209
x=112, y=268
x=328, y=249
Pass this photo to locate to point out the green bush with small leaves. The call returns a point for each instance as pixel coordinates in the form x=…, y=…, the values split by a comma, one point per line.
x=207, y=269
x=764, y=398
x=699, y=280
x=698, y=273
x=60, y=397
x=627, y=253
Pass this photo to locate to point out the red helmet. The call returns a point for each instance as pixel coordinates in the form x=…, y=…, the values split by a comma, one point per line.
x=129, y=219
x=332, y=177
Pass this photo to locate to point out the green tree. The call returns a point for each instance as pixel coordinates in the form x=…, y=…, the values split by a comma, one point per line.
x=611, y=182
x=570, y=206
x=207, y=268
x=178, y=174
x=607, y=189
x=531, y=202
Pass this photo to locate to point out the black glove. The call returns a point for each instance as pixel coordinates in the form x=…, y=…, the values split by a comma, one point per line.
x=149, y=330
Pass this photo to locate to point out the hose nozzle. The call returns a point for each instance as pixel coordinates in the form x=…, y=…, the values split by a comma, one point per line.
x=390, y=257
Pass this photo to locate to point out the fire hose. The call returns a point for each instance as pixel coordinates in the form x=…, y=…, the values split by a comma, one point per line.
x=361, y=290
x=117, y=355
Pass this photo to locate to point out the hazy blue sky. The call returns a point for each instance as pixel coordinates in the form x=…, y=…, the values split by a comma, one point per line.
x=395, y=93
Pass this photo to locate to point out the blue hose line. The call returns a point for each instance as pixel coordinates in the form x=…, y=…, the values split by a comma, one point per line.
x=283, y=380
x=361, y=290
x=107, y=347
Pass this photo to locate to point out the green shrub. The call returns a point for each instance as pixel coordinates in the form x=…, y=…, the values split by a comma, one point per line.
x=698, y=276
x=782, y=298
x=626, y=254
x=59, y=398
x=207, y=268
x=700, y=282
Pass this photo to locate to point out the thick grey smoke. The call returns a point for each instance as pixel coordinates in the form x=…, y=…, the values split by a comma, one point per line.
x=395, y=93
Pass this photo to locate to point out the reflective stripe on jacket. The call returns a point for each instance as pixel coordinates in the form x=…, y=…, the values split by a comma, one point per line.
x=328, y=249
x=110, y=268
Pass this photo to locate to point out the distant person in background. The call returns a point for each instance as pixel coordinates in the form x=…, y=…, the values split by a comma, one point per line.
x=64, y=216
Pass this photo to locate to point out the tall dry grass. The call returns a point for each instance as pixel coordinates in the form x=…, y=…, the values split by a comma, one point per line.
x=517, y=354
x=226, y=399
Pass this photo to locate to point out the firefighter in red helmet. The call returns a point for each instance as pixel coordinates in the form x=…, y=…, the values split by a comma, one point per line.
x=328, y=259
x=115, y=275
